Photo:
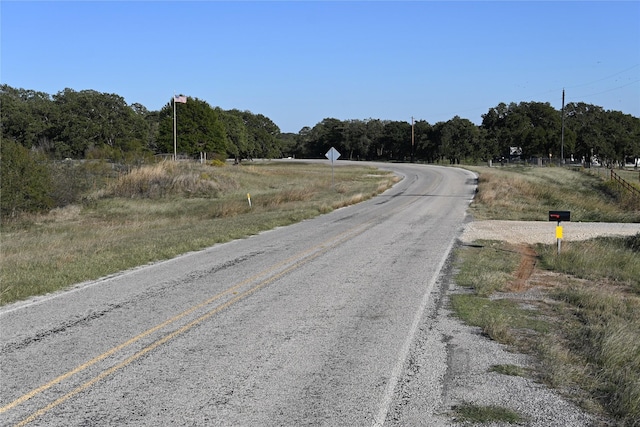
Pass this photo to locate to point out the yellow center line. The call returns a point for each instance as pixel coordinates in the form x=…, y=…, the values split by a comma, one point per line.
x=185, y=328
x=112, y=351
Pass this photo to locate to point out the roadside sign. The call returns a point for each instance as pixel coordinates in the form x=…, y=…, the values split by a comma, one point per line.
x=332, y=154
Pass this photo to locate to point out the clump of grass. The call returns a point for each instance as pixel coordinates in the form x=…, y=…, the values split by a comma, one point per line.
x=468, y=412
x=487, y=268
x=605, y=329
x=610, y=258
x=498, y=319
x=163, y=179
x=508, y=369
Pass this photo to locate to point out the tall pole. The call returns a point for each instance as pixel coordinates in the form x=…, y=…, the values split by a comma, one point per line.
x=412, y=139
x=562, y=135
x=175, y=139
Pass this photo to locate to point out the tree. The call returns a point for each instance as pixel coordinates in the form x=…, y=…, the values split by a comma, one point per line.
x=396, y=138
x=198, y=126
x=237, y=134
x=26, y=117
x=263, y=135
x=424, y=145
x=24, y=182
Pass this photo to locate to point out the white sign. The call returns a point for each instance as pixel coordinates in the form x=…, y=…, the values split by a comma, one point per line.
x=332, y=154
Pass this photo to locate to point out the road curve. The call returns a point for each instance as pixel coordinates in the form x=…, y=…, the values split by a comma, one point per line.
x=309, y=324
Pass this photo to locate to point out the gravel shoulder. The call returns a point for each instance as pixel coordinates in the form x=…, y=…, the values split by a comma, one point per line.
x=465, y=356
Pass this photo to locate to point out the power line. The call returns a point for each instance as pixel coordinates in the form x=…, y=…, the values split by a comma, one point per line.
x=605, y=91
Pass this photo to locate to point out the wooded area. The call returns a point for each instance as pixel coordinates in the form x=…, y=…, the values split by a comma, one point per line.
x=90, y=124
x=38, y=128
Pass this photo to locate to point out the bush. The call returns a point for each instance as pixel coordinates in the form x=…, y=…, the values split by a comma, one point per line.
x=25, y=182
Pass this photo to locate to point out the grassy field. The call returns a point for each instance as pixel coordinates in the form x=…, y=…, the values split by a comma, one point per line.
x=577, y=312
x=528, y=193
x=158, y=211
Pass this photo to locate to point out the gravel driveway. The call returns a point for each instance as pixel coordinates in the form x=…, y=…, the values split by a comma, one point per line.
x=532, y=232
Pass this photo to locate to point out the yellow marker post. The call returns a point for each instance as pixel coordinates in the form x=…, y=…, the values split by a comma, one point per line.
x=249, y=199
x=559, y=216
x=559, y=236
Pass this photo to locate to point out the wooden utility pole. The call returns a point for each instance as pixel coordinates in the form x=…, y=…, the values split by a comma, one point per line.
x=412, y=139
x=562, y=133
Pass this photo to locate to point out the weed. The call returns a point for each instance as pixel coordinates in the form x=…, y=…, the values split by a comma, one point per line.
x=513, y=370
x=486, y=414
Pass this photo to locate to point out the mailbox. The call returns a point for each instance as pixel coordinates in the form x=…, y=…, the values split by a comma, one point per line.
x=559, y=216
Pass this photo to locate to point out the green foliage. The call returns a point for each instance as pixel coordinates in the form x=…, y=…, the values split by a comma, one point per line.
x=198, y=128
x=606, y=329
x=528, y=193
x=93, y=124
x=589, y=341
x=24, y=181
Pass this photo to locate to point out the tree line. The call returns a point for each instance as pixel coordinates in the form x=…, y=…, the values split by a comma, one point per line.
x=525, y=130
x=91, y=124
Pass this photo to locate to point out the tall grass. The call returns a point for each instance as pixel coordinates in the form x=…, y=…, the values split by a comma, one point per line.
x=159, y=211
x=606, y=324
x=588, y=339
x=592, y=350
x=610, y=258
x=528, y=193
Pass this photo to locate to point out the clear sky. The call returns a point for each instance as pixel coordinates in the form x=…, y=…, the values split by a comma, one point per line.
x=298, y=62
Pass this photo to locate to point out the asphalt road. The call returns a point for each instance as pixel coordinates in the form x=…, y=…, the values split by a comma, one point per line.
x=309, y=324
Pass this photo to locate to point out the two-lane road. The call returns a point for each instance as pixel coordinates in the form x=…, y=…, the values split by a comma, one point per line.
x=309, y=324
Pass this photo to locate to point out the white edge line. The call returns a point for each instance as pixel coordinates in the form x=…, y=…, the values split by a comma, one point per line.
x=387, y=397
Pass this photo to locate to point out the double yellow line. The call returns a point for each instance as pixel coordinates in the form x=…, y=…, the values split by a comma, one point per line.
x=272, y=274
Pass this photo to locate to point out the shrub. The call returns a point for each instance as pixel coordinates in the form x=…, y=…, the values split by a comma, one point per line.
x=25, y=181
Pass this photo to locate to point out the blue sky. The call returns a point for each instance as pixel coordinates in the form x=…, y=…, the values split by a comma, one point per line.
x=298, y=62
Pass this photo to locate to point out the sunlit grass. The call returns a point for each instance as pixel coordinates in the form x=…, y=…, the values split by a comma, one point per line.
x=160, y=211
x=585, y=326
x=529, y=193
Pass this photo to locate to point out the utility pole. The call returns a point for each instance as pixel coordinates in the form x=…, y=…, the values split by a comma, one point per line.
x=412, y=139
x=562, y=134
x=175, y=135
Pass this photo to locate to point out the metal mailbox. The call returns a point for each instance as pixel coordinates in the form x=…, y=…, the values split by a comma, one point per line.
x=559, y=216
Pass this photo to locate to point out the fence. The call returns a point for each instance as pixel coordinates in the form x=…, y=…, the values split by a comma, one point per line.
x=624, y=184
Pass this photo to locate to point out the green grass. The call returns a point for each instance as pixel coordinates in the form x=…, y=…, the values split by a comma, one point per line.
x=610, y=258
x=489, y=272
x=513, y=370
x=160, y=211
x=486, y=414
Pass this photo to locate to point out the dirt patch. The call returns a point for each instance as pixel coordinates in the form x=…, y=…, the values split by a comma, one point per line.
x=528, y=258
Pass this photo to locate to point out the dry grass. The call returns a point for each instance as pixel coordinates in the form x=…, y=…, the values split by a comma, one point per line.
x=584, y=326
x=585, y=332
x=159, y=211
x=529, y=193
